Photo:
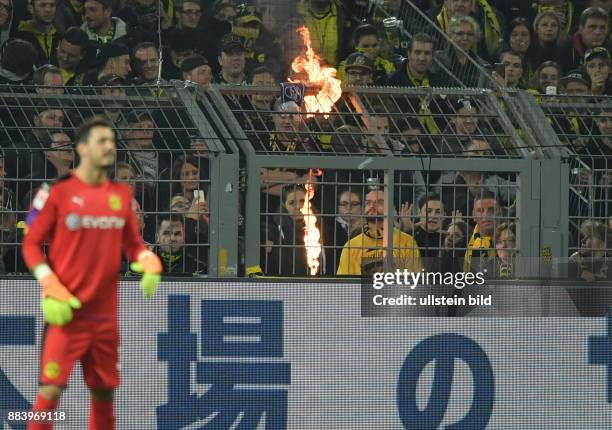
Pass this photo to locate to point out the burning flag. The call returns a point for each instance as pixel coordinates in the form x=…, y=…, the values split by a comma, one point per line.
x=322, y=78
x=312, y=235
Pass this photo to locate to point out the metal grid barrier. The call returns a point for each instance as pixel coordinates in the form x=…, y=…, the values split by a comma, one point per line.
x=167, y=152
x=378, y=122
x=356, y=149
x=583, y=125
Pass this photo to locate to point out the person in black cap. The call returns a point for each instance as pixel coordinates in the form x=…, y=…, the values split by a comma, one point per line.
x=576, y=83
x=358, y=69
x=180, y=44
x=597, y=65
x=196, y=69
x=259, y=43
x=113, y=58
x=232, y=60
x=114, y=84
x=367, y=41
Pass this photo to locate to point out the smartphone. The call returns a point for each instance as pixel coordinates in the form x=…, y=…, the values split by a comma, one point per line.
x=199, y=195
x=500, y=69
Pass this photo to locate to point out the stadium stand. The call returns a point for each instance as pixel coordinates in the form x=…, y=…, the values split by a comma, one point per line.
x=457, y=100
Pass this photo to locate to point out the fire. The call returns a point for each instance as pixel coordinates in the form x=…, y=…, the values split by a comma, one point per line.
x=322, y=77
x=312, y=235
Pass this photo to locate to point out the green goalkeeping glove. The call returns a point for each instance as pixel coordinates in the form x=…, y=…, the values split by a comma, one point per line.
x=150, y=266
x=57, y=302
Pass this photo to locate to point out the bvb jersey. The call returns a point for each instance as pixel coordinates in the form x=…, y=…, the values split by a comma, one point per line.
x=86, y=227
x=364, y=250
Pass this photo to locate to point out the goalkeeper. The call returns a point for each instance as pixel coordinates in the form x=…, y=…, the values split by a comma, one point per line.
x=87, y=220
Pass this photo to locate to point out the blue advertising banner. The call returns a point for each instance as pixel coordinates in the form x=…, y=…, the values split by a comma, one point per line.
x=215, y=355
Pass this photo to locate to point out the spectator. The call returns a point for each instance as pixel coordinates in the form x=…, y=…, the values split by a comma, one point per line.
x=71, y=56
x=548, y=40
x=186, y=176
x=124, y=173
x=564, y=10
x=171, y=249
x=39, y=30
x=452, y=255
x=262, y=76
x=69, y=13
x=519, y=37
x=490, y=20
x=486, y=214
x=113, y=59
x=48, y=80
x=520, y=41
x=414, y=136
x=284, y=237
x=217, y=21
x=347, y=223
x=428, y=230
x=576, y=83
x=461, y=129
x=59, y=157
x=9, y=241
x=224, y=10
x=513, y=63
x=259, y=43
x=114, y=89
x=6, y=19
x=591, y=33
x=597, y=65
x=358, y=70
x=366, y=41
x=145, y=58
x=365, y=253
x=232, y=60
x=141, y=17
x=17, y=63
x=180, y=44
x=416, y=71
x=100, y=24
x=466, y=33
x=590, y=263
x=504, y=263
x=197, y=70
x=188, y=14
x=547, y=75
x=328, y=26
x=149, y=165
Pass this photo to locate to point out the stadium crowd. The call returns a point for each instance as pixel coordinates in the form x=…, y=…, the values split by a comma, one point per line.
x=451, y=221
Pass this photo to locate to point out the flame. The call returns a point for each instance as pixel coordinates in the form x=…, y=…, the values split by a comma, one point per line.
x=312, y=235
x=324, y=78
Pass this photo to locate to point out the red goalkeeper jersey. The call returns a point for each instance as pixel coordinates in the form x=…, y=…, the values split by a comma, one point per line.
x=86, y=228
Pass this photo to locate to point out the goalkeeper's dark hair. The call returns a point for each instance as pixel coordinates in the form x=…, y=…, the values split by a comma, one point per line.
x=82, y=133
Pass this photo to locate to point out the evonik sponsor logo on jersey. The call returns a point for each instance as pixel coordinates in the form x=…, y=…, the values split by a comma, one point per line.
x=75, y=221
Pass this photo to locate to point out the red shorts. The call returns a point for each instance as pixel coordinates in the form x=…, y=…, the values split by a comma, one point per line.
x=94, y=343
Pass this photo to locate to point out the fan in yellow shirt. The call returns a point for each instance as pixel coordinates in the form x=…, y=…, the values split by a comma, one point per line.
x=365, y=252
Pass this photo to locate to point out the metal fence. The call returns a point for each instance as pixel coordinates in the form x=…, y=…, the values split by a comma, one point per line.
x=167, y=152
x=583, y=126
x=429, y=155
x=419, y=159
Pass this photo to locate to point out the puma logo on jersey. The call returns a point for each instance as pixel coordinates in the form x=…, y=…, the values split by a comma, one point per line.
x=78, y=201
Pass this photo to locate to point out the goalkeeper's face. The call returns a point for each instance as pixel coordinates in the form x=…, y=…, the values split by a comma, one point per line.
x=100, y=148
